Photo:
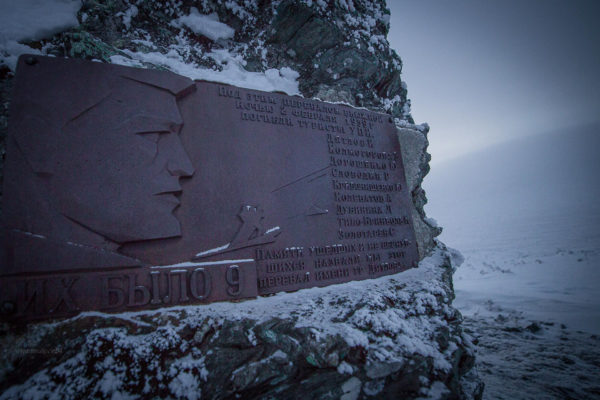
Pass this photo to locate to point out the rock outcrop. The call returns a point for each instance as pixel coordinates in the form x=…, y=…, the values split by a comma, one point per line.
x=394, y=337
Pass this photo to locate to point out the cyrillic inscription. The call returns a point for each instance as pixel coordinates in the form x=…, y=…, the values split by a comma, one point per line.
x=129, y=289
x=160, y=191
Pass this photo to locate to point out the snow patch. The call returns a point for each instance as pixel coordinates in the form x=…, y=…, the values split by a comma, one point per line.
x=275, y=228
x=200, y=264
x=345, y=368
x=32, y=20
x=205, y=25
x=215, y=250
x=351, y=389
x=233, y=72
x=127, y=15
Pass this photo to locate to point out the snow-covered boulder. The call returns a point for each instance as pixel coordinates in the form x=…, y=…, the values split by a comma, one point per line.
x=396, y=336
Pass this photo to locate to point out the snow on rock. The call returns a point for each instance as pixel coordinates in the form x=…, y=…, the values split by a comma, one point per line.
x=231, y=69
x=206, y=25
x=358, y=336
x=31, y=20
x=131, y=12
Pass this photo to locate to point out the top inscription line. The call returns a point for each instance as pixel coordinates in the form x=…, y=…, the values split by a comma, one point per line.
x=300, y=104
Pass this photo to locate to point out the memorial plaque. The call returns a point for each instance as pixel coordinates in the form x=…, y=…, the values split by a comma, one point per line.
x=127, y=188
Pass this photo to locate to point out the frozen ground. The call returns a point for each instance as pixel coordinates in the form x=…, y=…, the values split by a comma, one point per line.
x=526, y=217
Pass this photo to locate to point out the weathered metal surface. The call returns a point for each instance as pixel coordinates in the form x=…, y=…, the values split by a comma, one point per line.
x=115, y=170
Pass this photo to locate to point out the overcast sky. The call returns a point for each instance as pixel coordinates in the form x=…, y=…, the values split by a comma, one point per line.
x=482, y=72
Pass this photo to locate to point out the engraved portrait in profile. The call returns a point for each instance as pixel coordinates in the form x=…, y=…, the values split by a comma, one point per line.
x=94, y=161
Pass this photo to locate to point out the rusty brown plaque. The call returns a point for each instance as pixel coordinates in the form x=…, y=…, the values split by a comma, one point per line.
x=128, y=189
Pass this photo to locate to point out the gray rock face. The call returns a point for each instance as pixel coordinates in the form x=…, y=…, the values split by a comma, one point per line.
x=394, y=337
x=416, y=163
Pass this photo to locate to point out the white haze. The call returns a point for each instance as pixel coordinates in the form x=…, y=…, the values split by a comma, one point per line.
x=484, y=72
x=526, y=216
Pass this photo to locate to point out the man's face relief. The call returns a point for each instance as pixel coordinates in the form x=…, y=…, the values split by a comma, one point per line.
x=124, y=186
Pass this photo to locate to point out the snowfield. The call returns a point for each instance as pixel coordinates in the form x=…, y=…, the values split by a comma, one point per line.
x=526, y=216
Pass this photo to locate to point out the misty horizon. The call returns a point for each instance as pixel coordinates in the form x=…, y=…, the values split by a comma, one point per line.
x=480, y=73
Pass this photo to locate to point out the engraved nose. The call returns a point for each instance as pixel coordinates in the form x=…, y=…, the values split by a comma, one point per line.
x=179, y=163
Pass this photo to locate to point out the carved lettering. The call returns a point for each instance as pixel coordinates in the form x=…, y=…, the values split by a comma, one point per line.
x=355, y=210
x=382, y=221
x=269, y=119
x=64, y=296
x=314, y=115
x=34, y=295
x=112, y=297
x=285, y=266
x=283, y=280
x=396, y=254
x=374, y=233
x=181, y=274
x=360, y=198
x=398, y=244
x=373, y=187
x=384, y=267
x=349, y=222
x=360, y=117
x=134, y=290
x=259, y=97
x=373, y=257
x=276, y=254
x=243, y=105
x=365, y=175
x=195, y=285
x=317, y=251
x=361, y=131
x=155, y=275
x=310, y=105
x=349, y=141
x=332, y=274
x=320, y=126
x=226, y=91
x=336, y=261
x=372, y=246
x=345, y=162
x=234, y=280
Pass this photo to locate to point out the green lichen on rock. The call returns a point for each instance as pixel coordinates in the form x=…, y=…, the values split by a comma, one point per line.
x=86, y=46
